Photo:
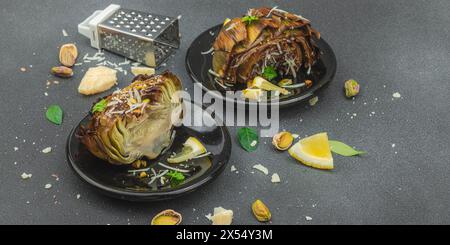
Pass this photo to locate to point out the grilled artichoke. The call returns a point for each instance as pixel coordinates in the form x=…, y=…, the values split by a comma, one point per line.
x=263, y=38
x=135, y=121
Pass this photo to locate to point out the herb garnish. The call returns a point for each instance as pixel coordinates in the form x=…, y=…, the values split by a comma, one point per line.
x=54, y=114
x=343, y=149
x=248, y=138
x=100, y=106
x=248, y=19
x=269, y=73
x=175, y=177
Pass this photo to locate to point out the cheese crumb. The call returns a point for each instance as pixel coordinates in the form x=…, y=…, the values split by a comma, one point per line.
x=16, y=148
x=396, y=95
x=78, y=196
x=253, y=143
x=233, y=168
x=48, y=186
x=221, y=216
x=308, y=218
x=26, y=176
x=275, y=178
x=47, y=150
x=295, y=136
x=261, y=168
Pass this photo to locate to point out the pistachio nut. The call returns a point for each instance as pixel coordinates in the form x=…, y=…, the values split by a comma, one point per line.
x=68, y=54
x=167, y=217
x=261, y=211
x=62, y=71
x=351, y=88
x=139, y=164
x=283, y=140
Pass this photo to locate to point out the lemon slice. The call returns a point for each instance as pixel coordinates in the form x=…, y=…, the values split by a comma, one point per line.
x=191, y=148
x=253, y=93
x=259, y=82
x=313, y=151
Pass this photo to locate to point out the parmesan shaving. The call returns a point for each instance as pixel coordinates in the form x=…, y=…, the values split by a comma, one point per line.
x=261, y=168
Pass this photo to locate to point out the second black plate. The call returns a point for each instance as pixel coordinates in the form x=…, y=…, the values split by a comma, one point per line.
x=198, y=66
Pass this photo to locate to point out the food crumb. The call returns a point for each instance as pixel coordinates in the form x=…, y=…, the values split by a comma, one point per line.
x=295, y=136
x=47, y=150
x=23, y=69
x=396, y=95
x=233, y=168
x=26, y=176
x=254, y=143
x=393, y=145
x=16, y=148
x=48, y=186
x=308, y=218
x=78, y=196
x=46, y=94
x=64, y=32
x=275, y=178
x=261, y=168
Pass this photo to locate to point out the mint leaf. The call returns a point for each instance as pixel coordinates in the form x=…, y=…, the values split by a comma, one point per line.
x=343, y=149
x=248, y=139
x=100, y=106
x=269, y=73
x=54, y=114
x=248, y=19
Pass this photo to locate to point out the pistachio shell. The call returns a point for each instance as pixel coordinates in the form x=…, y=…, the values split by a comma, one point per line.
x=167, y=217
x=282, y=141
x=261, y=211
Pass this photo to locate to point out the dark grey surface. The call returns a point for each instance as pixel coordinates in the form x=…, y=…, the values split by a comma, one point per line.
x=403, y=45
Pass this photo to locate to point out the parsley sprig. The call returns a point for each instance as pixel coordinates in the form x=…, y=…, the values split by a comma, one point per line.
x=269, y=73
x=249, y=19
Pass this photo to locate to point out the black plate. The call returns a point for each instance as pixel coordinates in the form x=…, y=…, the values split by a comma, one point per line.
x=198, y=65
x=115, y=181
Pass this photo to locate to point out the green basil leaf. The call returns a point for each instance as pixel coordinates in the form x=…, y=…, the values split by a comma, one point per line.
x=100, y=106
x=54, y=114
x=269, y=73
x=343, y=149
x=248, y=19
x=248, y=138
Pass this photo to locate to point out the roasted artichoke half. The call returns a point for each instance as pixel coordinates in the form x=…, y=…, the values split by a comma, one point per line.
x=135, y=121
x=264, y=37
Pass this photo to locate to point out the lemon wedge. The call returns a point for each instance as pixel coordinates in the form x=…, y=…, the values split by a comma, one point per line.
x=191, y=148
x=253, y=93
x=226, y=21
x=259, y=82
x=313, y=151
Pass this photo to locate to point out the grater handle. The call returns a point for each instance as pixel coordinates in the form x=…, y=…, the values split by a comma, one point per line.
x=85, y=29
x=88, y=27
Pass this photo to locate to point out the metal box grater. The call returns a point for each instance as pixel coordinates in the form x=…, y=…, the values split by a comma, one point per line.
x=142, y=37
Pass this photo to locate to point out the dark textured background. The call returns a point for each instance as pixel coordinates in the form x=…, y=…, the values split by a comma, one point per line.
x=403, y=45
